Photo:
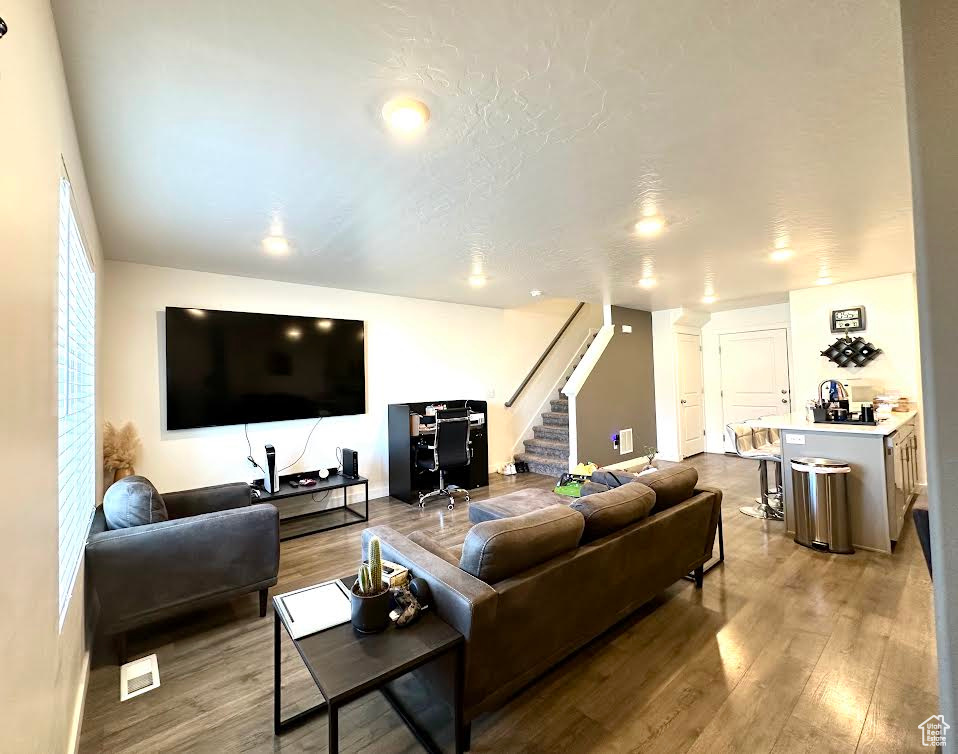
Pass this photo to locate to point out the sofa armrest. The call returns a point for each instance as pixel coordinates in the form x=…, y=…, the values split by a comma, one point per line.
x=196, y=502
x=716, y=494
x=144, y=572
x=460, y=599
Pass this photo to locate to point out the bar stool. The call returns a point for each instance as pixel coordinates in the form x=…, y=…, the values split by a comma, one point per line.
x=761, y=444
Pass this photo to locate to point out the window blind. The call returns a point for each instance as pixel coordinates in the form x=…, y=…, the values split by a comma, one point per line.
x=76, y=408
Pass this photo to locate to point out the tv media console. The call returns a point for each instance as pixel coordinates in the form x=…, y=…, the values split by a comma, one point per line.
x=293, y=526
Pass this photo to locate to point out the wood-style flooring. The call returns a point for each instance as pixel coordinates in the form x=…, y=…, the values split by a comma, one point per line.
x=783, y=650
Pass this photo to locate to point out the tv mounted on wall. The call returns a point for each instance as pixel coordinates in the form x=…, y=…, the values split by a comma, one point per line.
x=238, y=368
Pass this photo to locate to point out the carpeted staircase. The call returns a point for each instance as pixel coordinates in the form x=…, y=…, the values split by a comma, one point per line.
x=548, y=450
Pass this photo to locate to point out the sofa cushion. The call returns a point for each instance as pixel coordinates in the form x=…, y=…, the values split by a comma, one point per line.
x=495, y=550
x=514, y=504
x=606, y=512
x=671, y=486
x=428, y=543
x=133, y=501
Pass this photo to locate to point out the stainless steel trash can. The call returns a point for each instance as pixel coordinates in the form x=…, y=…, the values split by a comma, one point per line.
x=821, y=506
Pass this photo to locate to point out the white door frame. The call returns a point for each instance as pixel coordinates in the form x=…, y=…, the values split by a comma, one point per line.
x=680, y=414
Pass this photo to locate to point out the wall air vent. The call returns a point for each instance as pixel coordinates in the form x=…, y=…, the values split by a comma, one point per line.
x=138, y=677
x=625, y=441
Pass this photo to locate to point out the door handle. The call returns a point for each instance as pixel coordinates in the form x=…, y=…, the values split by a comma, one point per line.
x=784, y=392
x=684, y=401
x=784, y=400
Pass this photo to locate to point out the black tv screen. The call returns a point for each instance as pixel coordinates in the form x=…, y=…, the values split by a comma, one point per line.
x=238, y=368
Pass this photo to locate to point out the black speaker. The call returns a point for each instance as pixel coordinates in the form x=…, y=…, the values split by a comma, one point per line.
x=350, y=463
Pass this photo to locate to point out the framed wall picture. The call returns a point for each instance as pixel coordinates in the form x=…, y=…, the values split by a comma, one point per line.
x=848, y=320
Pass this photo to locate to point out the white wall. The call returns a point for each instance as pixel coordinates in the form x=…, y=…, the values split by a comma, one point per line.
x=666, y=323
x=891, y=318
x=415, y=351
x=43, y=668
x=775, y=316
x=666, y=385
x=541, y=323
x=929, y=30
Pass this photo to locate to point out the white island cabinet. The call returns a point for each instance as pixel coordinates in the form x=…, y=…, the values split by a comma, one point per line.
x=884, y=470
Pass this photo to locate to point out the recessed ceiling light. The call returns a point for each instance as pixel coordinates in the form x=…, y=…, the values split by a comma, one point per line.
x=648, y=282
x=477, y=281
x=824, y=280
x=197, y=313
x=405, y=114
x=781, y=255
x=535, y=293
x=294, y=333
x=278, y=246
x=650, y=225
x=324, y=324
x=709, y=299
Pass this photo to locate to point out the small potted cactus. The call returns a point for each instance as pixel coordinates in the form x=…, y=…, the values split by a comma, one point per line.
x=370, y=597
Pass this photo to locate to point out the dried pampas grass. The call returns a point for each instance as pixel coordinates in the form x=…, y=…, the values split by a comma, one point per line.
x=120, y=446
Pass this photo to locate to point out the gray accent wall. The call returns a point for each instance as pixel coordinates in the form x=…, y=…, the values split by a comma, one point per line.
x=619, y=392
x=930, y=28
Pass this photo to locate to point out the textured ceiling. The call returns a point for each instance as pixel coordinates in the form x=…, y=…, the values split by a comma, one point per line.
x=554, y=124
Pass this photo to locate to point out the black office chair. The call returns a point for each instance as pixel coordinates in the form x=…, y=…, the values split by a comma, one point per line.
x=451, y=449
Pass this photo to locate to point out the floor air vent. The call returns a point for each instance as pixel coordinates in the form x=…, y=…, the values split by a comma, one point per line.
x=138, y=677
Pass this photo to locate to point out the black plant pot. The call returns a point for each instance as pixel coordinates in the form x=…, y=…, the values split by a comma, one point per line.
x=370, y=615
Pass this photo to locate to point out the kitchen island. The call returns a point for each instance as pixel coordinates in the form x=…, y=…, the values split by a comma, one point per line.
x=884, y=469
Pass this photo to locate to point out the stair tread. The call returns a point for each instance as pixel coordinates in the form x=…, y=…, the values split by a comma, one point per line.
x=547, y=443
x=552, y=429
x=564, y=415
x=550, y=466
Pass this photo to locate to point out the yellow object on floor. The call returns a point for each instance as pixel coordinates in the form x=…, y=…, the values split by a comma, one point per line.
x=584, y=469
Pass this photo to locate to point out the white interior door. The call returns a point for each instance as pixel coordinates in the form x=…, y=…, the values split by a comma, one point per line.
x=691, y=408
x=754, y=376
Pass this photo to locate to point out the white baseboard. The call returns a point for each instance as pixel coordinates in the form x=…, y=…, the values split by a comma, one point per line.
x=79, y=705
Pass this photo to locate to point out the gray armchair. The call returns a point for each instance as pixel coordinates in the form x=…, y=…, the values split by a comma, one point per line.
x=215, y=545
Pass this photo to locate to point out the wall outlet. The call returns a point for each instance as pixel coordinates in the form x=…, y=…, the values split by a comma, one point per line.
x=625, y=441
x=626, y=328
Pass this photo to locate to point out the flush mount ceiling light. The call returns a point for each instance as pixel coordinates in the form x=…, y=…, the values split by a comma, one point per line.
x=277, y=246
x=535, y=293
x=648, y=282
x=781, y=255
x=824, y=280
x=709, y=299
x=405, y=114
x=477, y=281
x=650, y=226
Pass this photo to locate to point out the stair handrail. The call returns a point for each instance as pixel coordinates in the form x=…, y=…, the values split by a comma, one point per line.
x=545, y=355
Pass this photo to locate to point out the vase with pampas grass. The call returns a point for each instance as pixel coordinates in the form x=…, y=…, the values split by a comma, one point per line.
x=120, y=446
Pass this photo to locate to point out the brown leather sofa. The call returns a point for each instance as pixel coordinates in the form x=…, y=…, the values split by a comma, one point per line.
x=527, y=590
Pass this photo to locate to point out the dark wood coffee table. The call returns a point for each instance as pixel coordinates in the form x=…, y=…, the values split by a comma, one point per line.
x=346, y=665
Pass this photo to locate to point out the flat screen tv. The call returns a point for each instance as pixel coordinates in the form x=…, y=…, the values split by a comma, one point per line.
x=238, y=368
